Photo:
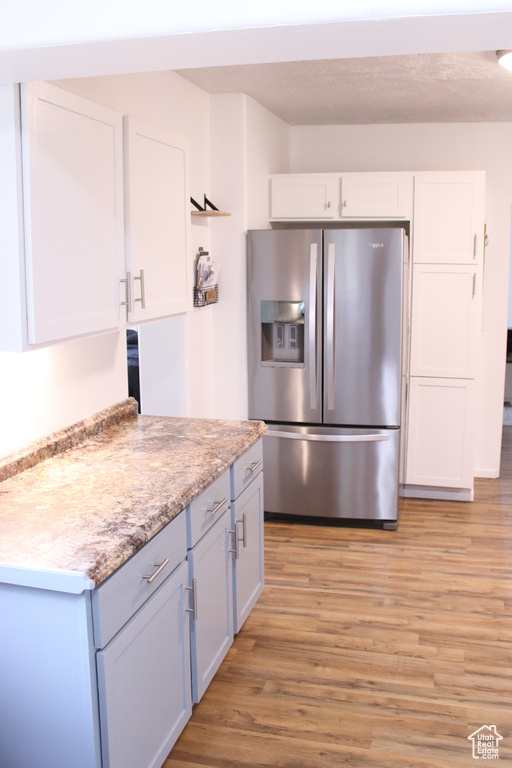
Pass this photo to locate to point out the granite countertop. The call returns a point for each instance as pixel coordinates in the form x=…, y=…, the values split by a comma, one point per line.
x=81, y=502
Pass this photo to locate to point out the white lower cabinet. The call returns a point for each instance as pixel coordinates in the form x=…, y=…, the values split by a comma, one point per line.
x=144, y=680
x=211, y=631
x=440, y=440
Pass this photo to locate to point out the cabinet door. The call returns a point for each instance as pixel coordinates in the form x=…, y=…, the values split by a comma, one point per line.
x=444, y=320
x=74, y=234
x=448, y=217
x=211, y=631
x=304, y=196
x=144, y=681
x=248, y=564
x=376, y=195
x=157, y=216
x=440, y=436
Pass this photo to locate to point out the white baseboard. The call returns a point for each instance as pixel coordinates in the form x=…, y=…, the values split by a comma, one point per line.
x=442, y=494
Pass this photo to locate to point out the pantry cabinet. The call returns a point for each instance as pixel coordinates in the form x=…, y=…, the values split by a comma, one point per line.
x=333, y=196
x=157, y=216
x=447, y=280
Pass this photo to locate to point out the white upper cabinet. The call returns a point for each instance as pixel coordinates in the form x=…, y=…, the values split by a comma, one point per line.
x=67, y=191
x=335, y=196
x=376, y=195
x=157, y=220
x=449, y=217
x=73, y=215
x=304, y=196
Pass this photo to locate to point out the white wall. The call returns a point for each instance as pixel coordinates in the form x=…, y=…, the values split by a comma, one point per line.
x=203, y=353
x=48, y=389
x=248, y=143
x=45, y=390
x=168, y=100
x=477, y=146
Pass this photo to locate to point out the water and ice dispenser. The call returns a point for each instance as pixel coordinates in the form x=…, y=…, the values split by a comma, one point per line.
x=282, y=333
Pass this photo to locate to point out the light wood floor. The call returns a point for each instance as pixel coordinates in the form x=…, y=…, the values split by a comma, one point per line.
x=371, y=648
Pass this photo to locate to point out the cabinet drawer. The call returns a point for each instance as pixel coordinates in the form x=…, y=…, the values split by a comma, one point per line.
x=246, y=468
x=206, y=509
x=122, y=594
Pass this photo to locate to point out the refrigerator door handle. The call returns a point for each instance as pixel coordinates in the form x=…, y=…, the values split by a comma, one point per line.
x=369, y=438
x=331, y=370
x=313, y=362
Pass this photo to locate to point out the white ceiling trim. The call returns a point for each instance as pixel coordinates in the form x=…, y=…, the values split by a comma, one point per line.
x=456, y=32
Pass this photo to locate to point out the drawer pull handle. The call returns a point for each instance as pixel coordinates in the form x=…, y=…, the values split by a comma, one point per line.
x=160, y=567
x=218, y=505
x=254, y=466
x=193, y=589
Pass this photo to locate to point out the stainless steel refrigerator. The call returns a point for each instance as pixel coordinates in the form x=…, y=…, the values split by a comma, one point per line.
x=325, y=368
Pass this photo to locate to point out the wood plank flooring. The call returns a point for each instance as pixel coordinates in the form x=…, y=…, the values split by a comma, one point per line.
x=371, y=648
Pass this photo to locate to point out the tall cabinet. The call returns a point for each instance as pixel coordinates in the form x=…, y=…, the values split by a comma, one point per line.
x=444, y=212
x=446, y=297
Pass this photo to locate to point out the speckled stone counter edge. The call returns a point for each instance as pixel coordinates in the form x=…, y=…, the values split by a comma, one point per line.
x=69, y=437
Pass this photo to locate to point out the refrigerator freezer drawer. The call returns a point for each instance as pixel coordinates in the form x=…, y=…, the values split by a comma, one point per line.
x=331, y=472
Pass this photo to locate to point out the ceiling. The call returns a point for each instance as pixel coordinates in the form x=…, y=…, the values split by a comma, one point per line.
x=419, y=88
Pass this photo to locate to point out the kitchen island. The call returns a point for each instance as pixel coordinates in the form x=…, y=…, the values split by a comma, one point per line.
x=104, y=529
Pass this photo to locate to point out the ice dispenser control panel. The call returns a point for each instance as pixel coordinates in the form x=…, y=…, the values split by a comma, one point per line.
x=282, y=333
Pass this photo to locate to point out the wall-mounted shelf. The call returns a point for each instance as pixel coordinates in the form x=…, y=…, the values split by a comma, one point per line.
x=209, y=213
x=207, y=210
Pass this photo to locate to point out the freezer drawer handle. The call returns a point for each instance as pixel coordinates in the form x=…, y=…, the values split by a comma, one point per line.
x=371, y=438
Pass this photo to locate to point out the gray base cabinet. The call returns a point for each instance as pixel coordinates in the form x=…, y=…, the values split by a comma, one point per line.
x=211, y=632
x=144, y=680
x=247, y=521
x=106, y=678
